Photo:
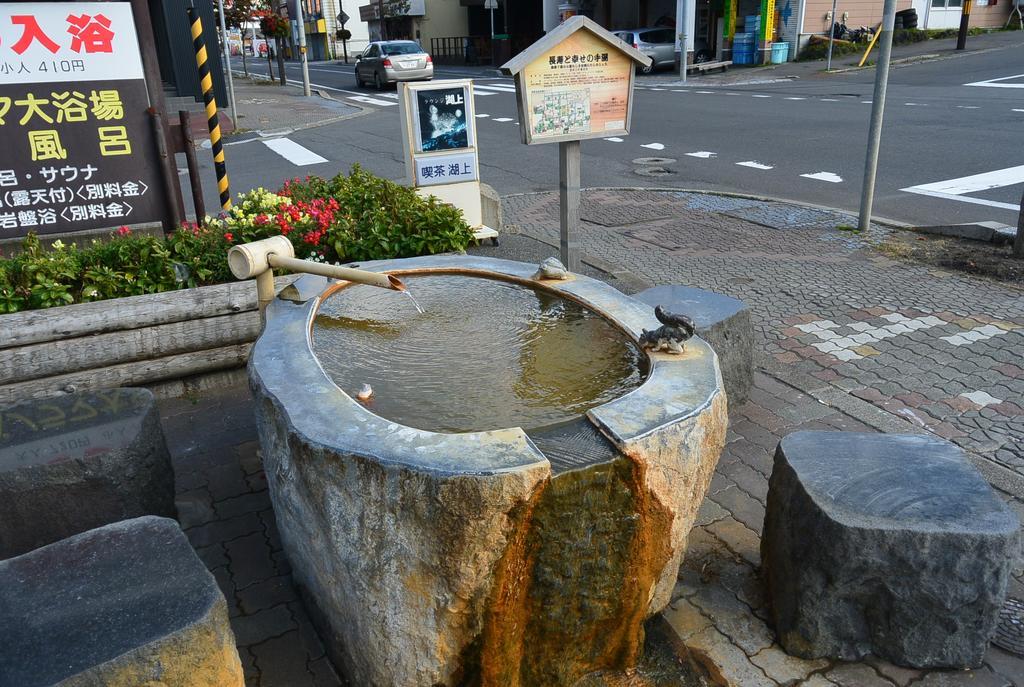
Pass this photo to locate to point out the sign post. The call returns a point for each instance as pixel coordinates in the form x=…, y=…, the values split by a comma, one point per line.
x=439, y=140
x=79, y=146
x=574, y=83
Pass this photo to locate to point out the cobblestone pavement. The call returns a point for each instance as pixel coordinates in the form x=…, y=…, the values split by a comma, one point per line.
x=802, y=281
x=940, y=350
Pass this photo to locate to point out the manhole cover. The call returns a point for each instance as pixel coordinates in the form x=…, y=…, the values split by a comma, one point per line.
x=1010, y=627
x=652, y=171
x=653, y=161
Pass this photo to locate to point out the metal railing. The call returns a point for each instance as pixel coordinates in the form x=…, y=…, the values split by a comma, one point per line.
x=461, y=50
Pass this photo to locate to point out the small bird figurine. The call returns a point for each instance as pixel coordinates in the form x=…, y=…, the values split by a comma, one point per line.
x=365, y=393
x=551, y=268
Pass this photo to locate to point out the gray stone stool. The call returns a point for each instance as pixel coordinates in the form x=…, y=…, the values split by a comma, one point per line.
x=723, y=322
x=75, y=462
x=124, y=605
x=885, y=544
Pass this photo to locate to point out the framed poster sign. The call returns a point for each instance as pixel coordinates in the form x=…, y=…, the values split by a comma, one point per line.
x=77, y=139
x=442, y=119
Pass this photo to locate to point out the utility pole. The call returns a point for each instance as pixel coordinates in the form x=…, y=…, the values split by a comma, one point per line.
x=831, y=36
x=1018, y=241
x=965, y=21
x=227, y=61
x=681, y=37
x=867, y=195
x=302, y=49
x=380, y=12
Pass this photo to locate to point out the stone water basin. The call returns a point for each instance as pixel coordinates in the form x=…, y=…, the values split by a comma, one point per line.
x=513, y=501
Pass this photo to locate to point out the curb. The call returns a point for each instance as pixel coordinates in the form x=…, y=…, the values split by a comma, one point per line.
x=882, y=221
x=919, y=59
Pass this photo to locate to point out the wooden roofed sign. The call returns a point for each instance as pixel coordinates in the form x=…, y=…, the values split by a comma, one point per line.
x=575, y=83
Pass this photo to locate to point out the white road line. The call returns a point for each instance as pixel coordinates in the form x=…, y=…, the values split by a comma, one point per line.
x=866, y=102
x=654, y=146
x=968, y=107
x=830, y=177
x=916, y=104
x=679, y=90
x=371, y=101
x=830, y=100
x=482, y=94
x=963, y=199
x=754, y=164
x=728, y=93
x=1017, y=110
x=704, y=92
x=973, y=183
x=502, y=119
x=481, y=116
x=760, y=96
x=705, y=154
x=992, y=83
x=658, y=89
x=614, y=139
x=791, y=98
x=293, y=152
x=494, y=87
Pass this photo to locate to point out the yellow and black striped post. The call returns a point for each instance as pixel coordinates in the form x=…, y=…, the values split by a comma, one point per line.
x=206, y=81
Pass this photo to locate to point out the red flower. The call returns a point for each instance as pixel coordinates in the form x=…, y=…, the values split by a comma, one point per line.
x=229, y=237
x=123, y=231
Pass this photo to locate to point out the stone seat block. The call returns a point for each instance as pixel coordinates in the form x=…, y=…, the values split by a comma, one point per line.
x=887, y=544
x=75, y=462
x=124, y=605
x=724, y=322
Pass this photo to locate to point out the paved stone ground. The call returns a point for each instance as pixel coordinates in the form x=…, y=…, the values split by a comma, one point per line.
x=803, y=279
x=940, y=350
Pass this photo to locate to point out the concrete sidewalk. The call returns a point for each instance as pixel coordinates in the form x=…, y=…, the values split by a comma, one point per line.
x=921, y=351
x=902, y=55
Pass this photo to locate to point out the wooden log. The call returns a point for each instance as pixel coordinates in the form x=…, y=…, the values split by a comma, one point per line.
x=54, y=358
x=134, y=312
x=129, y=374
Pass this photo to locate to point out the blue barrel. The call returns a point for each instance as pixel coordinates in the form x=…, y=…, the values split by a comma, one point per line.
x=780, y=52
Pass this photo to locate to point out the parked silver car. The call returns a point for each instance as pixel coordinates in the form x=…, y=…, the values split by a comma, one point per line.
x=658, y=44
x=385, y=62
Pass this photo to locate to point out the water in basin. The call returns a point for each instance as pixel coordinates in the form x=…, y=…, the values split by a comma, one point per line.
x=484, y=354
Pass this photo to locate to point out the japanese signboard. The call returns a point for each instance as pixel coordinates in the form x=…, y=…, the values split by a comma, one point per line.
x=77, y=141
x=439, y=136
x=575, y=83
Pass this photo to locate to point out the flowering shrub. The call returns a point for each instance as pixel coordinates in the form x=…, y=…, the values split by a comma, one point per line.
x=348, y=218
x=273, y=25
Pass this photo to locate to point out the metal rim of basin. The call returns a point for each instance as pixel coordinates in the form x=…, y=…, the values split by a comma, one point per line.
x=284, y=364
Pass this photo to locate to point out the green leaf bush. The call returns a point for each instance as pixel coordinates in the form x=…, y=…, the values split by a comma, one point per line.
x=354, y=217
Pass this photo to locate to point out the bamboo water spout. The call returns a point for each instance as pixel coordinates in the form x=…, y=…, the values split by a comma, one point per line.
x=259, y=258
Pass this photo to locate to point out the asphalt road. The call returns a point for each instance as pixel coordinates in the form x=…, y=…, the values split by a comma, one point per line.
x=800, y=140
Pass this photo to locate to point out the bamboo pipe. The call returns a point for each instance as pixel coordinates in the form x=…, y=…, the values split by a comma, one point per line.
x=385, y=281
x=259, y=258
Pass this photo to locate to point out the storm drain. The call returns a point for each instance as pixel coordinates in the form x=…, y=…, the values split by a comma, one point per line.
x=652, y=171
x=1010, y=627
x=653, y=161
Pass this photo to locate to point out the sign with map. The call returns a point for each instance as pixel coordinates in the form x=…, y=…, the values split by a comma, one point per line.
x=575, y=83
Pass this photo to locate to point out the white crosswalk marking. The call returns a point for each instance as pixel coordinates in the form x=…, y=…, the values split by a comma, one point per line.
x=614, y=139
x=653, y=146
x=705, y=154
x=956, y=189
x=293, y=152
x=503, y=88
x=502, y=119
x=371, y=101
x=830, y=177
x=994, y=83
x=481, y=116
x=754, y=164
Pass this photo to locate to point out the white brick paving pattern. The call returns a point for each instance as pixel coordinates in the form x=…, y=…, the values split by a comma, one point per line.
x=843, y=346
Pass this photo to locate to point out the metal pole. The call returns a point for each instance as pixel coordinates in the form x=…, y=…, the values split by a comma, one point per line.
x=380, y=10
x=831, y=37
x=206, y=82
x=227, y=62
x=185, y=119
x=302, y=50
x=681, y=37
x=877, y=109
x=492, y=26
x=569, y=203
